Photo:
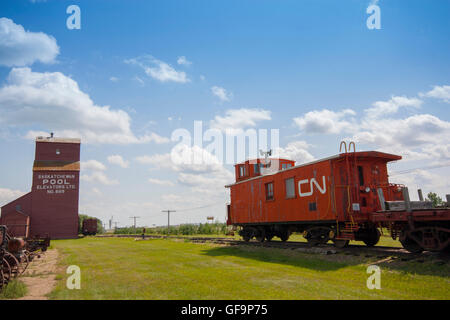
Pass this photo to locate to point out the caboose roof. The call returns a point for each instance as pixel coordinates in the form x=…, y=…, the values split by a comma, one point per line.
x=261, y=160
x=362, y=154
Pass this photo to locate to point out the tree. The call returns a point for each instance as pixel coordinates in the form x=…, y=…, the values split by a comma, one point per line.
x=435, y=199
x=81, y=217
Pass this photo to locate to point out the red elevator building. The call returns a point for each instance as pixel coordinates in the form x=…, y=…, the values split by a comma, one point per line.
x=51, y=208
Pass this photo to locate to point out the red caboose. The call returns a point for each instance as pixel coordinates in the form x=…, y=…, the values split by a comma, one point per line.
x=330, y=199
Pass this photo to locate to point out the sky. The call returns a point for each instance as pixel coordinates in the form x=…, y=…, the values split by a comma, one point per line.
x=133, y=72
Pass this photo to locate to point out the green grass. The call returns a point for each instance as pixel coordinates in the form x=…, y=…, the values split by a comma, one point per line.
x=13, y=290
x=166, y=269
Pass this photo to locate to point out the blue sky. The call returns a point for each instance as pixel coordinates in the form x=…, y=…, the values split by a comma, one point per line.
x=311, y=69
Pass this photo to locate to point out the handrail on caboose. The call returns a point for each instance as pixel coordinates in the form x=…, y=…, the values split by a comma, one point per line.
x=340, y=146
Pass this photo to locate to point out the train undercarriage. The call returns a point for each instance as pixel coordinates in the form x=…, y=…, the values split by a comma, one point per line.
x=415, y=237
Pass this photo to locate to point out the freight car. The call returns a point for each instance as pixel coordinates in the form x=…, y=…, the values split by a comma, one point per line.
x=341, y=198
x=89, y=227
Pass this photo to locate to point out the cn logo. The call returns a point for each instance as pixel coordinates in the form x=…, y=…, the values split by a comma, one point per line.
x=311, y=182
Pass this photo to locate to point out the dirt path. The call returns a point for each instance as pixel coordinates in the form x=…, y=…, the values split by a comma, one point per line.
x=40, y=276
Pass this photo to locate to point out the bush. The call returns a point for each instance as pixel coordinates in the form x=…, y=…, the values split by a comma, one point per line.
x=13, y=290
x=182, y=229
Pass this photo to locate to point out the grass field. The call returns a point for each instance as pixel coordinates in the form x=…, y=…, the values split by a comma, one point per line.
x=167, y=269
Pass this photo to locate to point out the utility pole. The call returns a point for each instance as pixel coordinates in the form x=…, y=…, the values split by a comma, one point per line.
x=134, y=218
x=168, y=219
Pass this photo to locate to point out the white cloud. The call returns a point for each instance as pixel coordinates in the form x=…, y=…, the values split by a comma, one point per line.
x=412, y=136
x=183, y=158
x=325, y=121
x=8, y=195
x=100, y=177
x=415, y=130
x=19, y=47
x=383, y=108
x=221, y=93
x=235, y=120
x=297, y=151
x=426, y=180
x=161, y=182
x=183, y=61
x=159, y=70
x=92, y=165
x=97, y=191
x=117, y=159
x=156, y=138
x=95, y=173
x=415, y=137
x=438, y=92
x=163, y=161
x=207, y=176
x=114, y=79
x=53, y=100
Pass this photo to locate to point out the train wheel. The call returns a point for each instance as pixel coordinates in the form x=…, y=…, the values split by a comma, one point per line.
x=269, y=237
x=317, y=235
x=246, y=238
x=340, y=243
x=410, y=245
x=261, y=235
x=284, y=236
x=260, y=238
x=373, y=237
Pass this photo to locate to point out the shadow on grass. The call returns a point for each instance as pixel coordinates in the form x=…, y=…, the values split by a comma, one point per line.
x=319, y=262
x=276, y=256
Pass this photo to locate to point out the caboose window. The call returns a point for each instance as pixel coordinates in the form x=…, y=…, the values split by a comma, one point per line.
x=361, y=175
x=269, y=191
x=290, y=188
x=285, y=166
x=257, y=167
x=242, y=171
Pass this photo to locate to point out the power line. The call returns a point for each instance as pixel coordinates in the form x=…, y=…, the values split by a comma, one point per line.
x=168, y=219
x=202, y=207
x=420, y=168
x=134, y=218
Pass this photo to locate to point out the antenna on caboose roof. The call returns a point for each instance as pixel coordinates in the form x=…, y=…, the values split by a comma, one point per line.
x=266, y=155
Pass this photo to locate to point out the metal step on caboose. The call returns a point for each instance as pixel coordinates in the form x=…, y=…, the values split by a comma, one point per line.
x=348, y=231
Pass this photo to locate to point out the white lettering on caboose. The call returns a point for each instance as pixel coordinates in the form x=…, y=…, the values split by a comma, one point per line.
x=311, y=182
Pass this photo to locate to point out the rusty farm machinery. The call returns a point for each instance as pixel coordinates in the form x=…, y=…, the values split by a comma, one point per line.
x=17, y=253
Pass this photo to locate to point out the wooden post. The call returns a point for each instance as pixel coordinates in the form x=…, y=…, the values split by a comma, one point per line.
x=420, y=194
x=406, y=199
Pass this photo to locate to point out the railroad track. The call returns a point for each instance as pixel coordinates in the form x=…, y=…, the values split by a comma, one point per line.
x=381, y=252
